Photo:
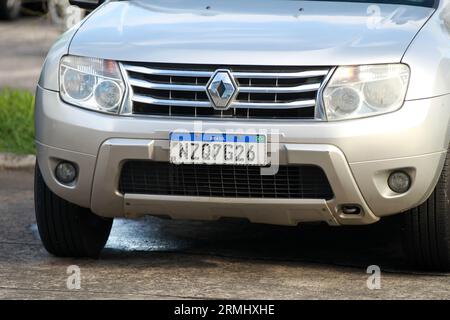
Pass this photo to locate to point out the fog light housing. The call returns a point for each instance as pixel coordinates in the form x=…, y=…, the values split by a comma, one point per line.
x=66, y=172
x=399, y=181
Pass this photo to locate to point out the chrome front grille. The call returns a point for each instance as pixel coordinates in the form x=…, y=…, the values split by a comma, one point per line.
x=263, y=92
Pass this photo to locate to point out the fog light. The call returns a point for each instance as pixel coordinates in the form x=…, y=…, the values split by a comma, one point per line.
x=66, y=172
x=399, y=181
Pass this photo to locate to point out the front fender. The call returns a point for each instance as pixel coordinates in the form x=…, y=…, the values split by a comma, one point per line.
x=429, y=57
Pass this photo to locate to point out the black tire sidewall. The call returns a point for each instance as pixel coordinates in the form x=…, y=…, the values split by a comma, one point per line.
x=426, y=228
x=66, y=229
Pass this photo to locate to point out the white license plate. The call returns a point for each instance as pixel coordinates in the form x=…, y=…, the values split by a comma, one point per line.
x=207, y=148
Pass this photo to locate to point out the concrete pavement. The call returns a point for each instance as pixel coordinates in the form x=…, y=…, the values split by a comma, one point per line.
x=158, y=259
x=23, y=46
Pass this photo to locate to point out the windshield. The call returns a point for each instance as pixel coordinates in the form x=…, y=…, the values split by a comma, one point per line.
x=423, y=3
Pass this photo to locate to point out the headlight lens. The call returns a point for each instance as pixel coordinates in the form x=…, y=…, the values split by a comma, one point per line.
x=91, y=83
x=108, y=95
x=361, y=91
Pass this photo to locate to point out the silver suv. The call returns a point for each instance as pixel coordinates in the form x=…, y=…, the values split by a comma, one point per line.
x=279, y=112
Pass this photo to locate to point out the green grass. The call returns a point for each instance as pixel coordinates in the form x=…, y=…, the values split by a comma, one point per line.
x=16, y=121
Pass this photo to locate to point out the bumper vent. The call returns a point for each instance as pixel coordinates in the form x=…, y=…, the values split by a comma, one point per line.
x=264, y=92
x=162, y=178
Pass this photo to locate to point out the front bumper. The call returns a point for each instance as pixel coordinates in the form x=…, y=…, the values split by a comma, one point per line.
x=357, y=157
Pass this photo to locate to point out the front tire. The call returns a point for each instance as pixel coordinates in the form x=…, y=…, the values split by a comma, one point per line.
x=66, y=229
x=426, y=229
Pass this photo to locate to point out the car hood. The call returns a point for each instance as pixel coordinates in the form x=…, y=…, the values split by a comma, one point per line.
x=251, y=32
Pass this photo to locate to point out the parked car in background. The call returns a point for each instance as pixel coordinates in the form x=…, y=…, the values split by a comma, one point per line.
x=10, y=9
x=59, y=11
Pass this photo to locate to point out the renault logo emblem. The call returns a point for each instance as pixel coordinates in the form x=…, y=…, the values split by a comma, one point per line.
x=221, y=89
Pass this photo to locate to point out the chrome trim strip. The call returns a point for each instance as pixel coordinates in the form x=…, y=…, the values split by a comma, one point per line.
x=235, y=104
x=285, y=105
x=296, y=89
x=173, y=102
x=165, y=86
x=127, y=103
x=320, y=112
x=164, y=72
x=281, y=75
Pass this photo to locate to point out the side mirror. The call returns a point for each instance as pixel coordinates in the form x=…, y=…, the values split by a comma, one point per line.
x=86, y=4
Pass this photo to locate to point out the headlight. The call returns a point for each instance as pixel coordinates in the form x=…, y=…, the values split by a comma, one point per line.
x=91, y=83
x=355, y=92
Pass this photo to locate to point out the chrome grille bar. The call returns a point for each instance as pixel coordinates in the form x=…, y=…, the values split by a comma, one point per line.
x=281, y=75
x=171, y=102
x=207, y=104
x=296, y=89
x=165, y=86
x=267, y=105
x=168, y=72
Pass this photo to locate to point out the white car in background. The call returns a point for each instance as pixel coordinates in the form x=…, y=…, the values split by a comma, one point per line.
x=60, y=11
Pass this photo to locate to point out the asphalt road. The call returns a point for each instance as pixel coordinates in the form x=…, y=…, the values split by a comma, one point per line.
x=159, y=259
x=23, y=47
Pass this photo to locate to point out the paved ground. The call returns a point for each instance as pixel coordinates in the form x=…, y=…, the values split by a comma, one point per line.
x=23, y=47
x=152, y=258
